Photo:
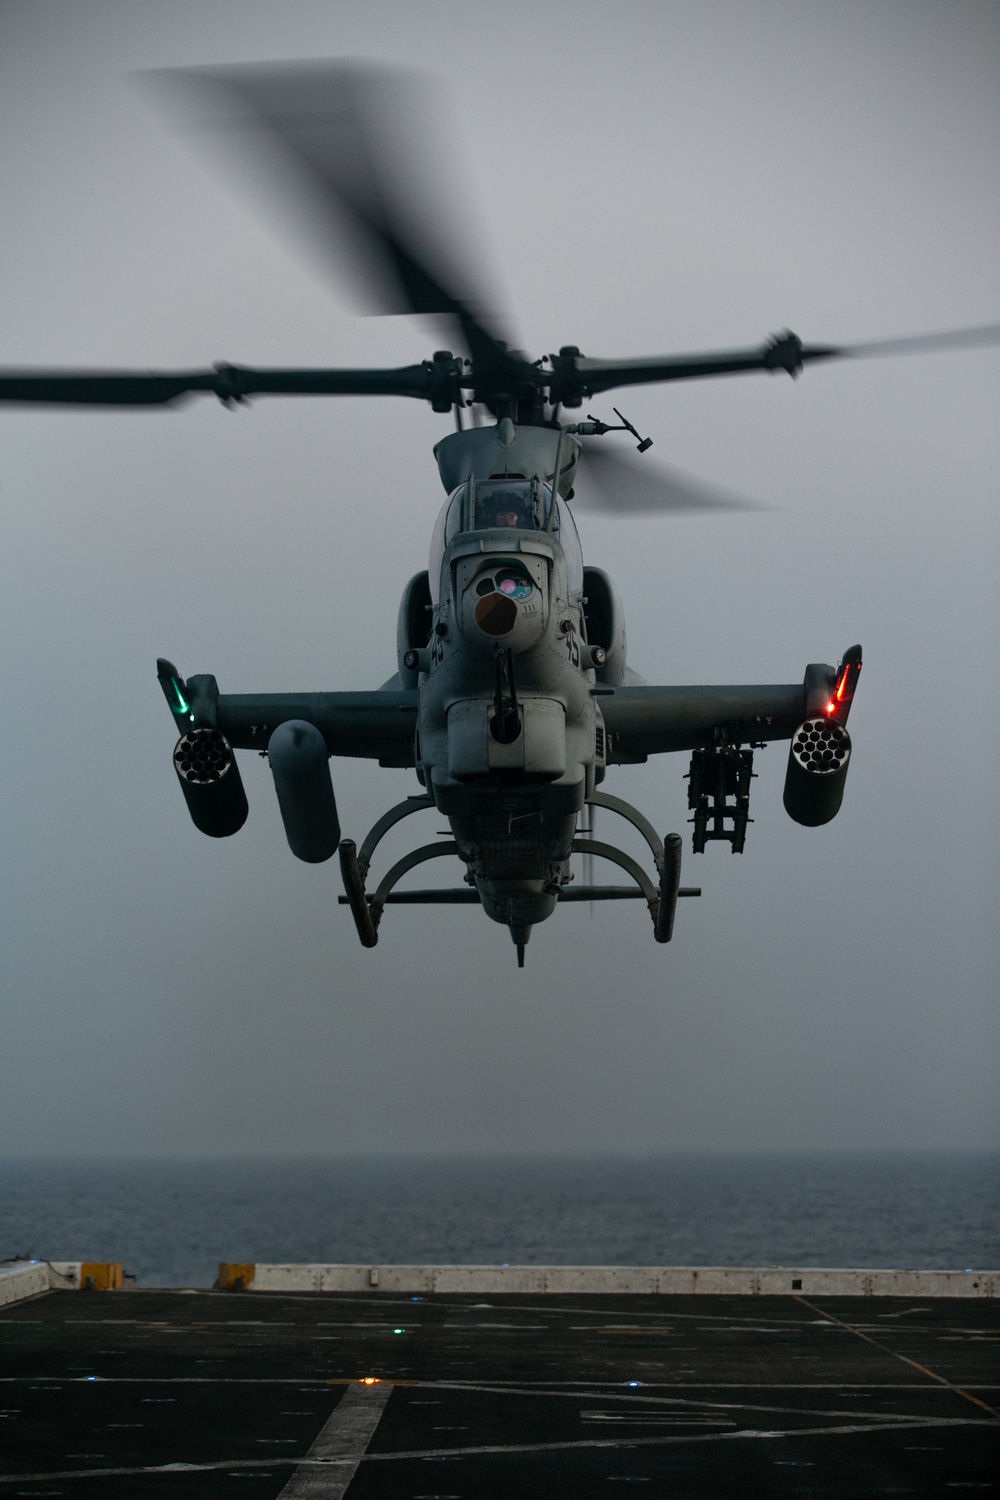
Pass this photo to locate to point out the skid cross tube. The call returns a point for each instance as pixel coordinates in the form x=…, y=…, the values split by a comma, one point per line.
x=634, y=816
x=386, y=821
x=466, y=896
x=399, y=869
x=619, y=857
x=662, y=902
x=367, y=911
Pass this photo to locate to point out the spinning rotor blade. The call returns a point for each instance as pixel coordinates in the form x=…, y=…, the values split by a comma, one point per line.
x=577, y=377
x=231, y=383
x=616, y=483
x=347, y=149
x=924, y=343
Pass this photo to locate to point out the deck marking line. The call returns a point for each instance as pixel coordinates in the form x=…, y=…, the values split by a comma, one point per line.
x=539, y=1387
x=742, y=1433
x=931, y=1374
x=326, y=1466
x=342, y=1441
x=697, y=1404
x=548, y=1310
x=530, y=1387
x=318, y=1381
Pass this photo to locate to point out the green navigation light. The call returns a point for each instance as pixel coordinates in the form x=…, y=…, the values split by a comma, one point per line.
x=181, y=706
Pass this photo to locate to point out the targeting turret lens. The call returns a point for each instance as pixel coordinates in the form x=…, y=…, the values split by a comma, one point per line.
x=514, y=583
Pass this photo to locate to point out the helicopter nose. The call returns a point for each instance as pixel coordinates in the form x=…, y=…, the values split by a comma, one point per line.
x=504, y=602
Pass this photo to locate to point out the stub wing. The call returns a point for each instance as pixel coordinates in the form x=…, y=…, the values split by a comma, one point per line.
x=373, y=725
x=644, y=721
x=378, y=725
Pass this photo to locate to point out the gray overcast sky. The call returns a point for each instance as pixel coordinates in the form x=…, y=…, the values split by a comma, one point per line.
x=648, y=177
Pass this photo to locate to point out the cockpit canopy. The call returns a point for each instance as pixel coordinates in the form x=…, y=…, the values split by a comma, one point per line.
x=501, y=504
x=480, y=505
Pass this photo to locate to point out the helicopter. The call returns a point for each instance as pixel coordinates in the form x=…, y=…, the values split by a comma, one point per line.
x=512, y=693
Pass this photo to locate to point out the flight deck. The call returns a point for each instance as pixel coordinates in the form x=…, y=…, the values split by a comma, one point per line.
x=444, y=1395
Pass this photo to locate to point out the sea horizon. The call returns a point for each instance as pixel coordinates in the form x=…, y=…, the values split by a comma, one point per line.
x=170, y=1220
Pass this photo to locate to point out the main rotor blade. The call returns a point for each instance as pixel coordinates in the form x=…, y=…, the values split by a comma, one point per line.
x=785, y=351
x=925, y=343
x=347, y=150
x=614, y=482
x=231, y=383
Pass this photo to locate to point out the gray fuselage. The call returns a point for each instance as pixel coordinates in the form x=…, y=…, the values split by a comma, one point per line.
x=509, y=735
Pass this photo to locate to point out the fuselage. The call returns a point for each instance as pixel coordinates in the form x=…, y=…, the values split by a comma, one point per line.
x=510, y=739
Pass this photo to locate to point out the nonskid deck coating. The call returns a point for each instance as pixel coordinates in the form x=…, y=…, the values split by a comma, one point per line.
x=117, y=1394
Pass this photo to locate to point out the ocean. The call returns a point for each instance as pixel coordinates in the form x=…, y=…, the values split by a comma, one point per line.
x=171, y=1221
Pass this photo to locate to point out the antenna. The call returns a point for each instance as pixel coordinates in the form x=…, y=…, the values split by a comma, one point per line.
x=594, y=427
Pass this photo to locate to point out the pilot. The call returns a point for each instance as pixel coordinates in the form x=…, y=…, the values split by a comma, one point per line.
x=506, y=505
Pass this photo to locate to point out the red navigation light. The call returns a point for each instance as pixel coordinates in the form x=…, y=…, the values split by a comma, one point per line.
x=844, y=686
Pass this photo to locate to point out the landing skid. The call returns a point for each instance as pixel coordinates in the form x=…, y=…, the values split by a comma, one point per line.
x=660, y=894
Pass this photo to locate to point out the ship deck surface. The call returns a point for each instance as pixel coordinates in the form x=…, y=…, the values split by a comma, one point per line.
x=198, y=1394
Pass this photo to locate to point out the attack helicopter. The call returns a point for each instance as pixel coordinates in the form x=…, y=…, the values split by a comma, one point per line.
x=512, y=694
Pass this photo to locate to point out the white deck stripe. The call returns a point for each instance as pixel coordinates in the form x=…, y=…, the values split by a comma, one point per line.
x=342, y=1442
x=529, y=1387
x=348, y=1465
